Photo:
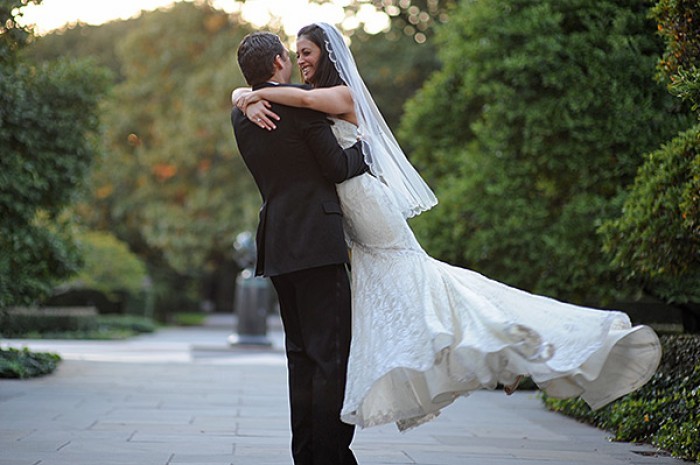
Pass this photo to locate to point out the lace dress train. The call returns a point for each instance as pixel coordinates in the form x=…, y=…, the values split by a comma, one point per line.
x=426, y=332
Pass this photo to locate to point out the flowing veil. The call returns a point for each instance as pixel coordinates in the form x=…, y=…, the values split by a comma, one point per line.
x=382, y=153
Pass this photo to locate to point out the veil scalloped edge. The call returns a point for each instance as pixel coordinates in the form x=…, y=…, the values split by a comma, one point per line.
x=383, y=155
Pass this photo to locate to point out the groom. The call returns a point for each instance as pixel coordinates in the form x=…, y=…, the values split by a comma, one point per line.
x=301, y=247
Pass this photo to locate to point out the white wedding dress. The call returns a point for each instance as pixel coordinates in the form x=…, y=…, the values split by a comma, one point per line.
x=425, y=332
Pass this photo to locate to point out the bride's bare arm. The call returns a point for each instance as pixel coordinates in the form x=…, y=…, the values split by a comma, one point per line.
x=257, y=111
x=238, y=93
x=331, y=100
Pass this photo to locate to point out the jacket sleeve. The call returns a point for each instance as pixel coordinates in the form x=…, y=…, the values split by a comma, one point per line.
x=337, y=164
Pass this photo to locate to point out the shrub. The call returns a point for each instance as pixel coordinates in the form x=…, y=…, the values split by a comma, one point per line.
x=47, y=150
x=17, y=322
x=664, y=412
x=132, y=324
x=680, y=28
x=188, y=318
x=529, y=132
x=15, y=363
x=655, y=241
x=71, y=323
x=109, y=265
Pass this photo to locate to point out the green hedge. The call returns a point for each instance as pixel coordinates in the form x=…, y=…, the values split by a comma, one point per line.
x=71, y=323
x=16, y=322
x=665, y=412
x=130, y=323
x=15, y=363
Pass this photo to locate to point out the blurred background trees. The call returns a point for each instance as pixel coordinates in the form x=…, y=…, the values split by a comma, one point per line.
x=171, y=184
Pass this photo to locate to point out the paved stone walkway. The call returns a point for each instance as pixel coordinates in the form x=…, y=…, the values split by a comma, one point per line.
x=183, y=397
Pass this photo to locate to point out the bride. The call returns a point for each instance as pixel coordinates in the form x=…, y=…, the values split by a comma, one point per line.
x=425, y=332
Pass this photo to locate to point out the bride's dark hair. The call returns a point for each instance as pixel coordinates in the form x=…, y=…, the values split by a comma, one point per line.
x=325, y=75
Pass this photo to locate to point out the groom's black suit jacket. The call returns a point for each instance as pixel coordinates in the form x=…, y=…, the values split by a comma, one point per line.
x=296, y=167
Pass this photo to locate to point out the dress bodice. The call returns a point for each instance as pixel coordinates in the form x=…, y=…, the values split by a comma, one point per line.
x=371, y=218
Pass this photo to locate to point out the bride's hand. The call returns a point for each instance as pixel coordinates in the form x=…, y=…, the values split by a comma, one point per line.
x=247, y=98
x=238, y=93
x=260, y=114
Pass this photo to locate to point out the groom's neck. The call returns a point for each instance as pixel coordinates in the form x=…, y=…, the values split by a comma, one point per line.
x=277, y=79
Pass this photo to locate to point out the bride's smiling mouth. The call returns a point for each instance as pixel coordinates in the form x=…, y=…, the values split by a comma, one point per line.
x=308, y=55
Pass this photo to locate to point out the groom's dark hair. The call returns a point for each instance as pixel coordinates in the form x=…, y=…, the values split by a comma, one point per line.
x=256, y=56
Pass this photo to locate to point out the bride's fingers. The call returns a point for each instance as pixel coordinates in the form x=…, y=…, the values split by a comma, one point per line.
x=270, y=114
x=261, y=114
x=262, y=120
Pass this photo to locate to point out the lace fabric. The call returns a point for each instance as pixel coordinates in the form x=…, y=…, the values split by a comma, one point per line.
x=426, y=333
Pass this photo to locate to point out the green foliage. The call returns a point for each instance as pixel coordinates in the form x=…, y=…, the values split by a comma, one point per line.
x=48, y=115
x=687, y=86
x=188, y=318
x=13, y=36
x=81, y=41
x=679, y=25
x=394, y=67
x=15, y=363
x=18, y=322
x=33, y=257
x=108, y=265
x=70, y=323
x=129, y=324
x=171, y=184
x=656, y=240
x=528, y=133
x=664, y=412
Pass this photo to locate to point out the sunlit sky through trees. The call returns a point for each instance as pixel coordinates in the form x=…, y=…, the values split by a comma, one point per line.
x=290, y=14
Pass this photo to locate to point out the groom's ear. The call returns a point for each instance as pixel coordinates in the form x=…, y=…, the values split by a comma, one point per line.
x=279, y=62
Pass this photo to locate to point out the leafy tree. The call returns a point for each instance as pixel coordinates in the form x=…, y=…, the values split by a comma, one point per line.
x=172, y=184
x=529, y=133
x=680, y=27
x=81, y=41
x=394, y=67
x=125, y=273
x=48, y=115
x=13, y=36
x=416, y=18
x=656, y=239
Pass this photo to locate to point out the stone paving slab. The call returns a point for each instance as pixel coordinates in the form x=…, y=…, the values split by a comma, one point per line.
x=141, y=403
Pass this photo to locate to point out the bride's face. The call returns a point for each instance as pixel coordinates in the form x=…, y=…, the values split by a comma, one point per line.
x=308, y=54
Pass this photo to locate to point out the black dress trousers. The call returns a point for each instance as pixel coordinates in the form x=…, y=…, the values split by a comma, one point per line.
x=316, y=312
